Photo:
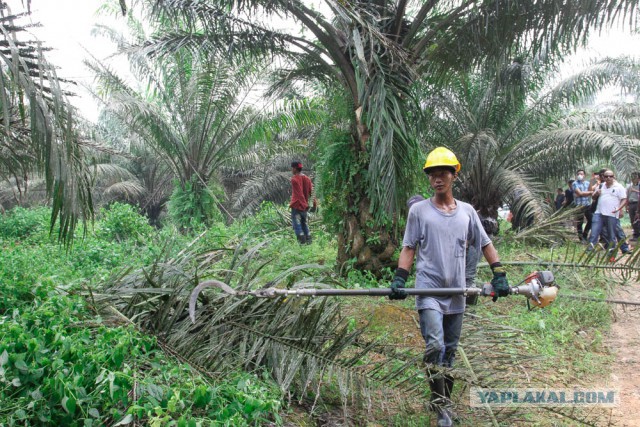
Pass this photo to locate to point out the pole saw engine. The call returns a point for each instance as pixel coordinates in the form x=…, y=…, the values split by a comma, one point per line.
x=538, y=287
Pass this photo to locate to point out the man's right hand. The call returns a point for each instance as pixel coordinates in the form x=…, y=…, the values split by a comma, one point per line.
x=397, y=285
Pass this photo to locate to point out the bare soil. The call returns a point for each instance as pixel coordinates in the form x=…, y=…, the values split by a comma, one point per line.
x=624, y=342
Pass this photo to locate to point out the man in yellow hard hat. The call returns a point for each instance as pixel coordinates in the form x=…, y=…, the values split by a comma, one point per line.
x=437, y=234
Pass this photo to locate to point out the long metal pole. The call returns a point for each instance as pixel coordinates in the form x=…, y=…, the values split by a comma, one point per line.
x=271, y=292
x=565, y=264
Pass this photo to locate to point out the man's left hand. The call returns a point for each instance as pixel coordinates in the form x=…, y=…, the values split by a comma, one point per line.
x=499, y=282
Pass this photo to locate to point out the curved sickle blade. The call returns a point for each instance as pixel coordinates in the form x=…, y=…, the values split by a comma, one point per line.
x=193, y=298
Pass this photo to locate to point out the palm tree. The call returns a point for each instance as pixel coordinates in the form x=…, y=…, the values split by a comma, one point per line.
x=513, y=135
x=149, y=182
x=194, y=114
x=375, y=50
x=40, y=137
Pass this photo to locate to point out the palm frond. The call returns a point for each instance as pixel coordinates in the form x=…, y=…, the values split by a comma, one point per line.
x=305, y=344
x=549, y=230
x=37, y=116
x=127, y=190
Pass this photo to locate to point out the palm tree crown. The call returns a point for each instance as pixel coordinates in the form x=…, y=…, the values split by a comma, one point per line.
x=513, y=136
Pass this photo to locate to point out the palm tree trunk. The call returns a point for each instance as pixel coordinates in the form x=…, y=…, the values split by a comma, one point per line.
x=370, y=247
x=363, y=242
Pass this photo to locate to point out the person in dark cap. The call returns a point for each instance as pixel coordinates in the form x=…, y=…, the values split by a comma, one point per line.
x=301, y=189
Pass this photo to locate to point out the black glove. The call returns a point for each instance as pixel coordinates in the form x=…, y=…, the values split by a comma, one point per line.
x=499, y=282
x=397, y=286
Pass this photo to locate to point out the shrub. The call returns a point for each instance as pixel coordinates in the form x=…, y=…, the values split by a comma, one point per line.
x=191, y=206
x=121, y=222
x=20, y=223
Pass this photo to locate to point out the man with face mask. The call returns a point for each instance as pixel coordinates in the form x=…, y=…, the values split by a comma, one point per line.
x=582, y=199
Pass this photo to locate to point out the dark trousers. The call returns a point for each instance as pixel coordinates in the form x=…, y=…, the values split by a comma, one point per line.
x=584, y=214
x=633, y=210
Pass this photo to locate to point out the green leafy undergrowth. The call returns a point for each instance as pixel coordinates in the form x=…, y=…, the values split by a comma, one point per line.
x=20, y=223
x=30, y=270
x=60, y=366
x=30, y=257
x=121, y=222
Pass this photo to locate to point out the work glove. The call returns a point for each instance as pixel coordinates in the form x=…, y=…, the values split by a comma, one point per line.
x=397, y=286
x=499, y=282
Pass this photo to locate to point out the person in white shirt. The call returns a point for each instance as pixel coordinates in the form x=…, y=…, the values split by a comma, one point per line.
x=612, y=199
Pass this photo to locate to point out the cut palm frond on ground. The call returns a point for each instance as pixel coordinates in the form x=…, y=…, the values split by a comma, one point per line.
x=305, y=344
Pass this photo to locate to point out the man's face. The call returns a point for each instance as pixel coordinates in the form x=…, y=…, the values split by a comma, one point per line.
x=441, y=180
x=608, y=177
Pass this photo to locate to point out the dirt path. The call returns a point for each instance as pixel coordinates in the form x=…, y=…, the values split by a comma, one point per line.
x=624, y=342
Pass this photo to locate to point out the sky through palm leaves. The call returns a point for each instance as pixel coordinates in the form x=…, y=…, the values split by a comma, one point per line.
x=67, y=25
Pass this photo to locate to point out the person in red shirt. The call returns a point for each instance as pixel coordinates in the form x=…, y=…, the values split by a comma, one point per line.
x=301, y=188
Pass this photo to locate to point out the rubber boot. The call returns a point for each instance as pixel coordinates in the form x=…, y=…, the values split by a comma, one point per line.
x=308, y=239
x=448, y=388
x=301, y=239
x=438, y=401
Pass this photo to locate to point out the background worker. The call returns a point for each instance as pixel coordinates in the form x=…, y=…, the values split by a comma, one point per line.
x=437, y=233
x=598, y=232
x=582, y=199
x=568, y=194
x=559, y=200
x=612, y=199
x=632, y=205
x=301, y=189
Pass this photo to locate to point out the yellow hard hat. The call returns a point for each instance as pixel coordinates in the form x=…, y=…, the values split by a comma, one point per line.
x=441, y=157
